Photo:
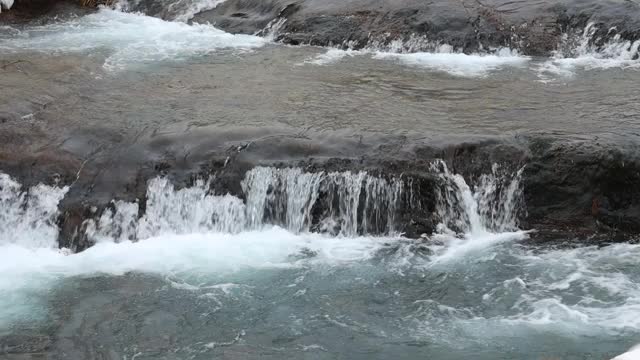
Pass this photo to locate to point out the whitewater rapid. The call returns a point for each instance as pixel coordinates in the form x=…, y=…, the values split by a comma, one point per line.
x=134, y=41
x=275, y=271
x=511, y=289
x=127, y=40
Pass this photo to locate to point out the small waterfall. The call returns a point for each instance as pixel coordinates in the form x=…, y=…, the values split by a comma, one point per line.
x=28, y=218
x=592, y=48
x=5, y=4
x=365, y=201
x=169, y=211
x=273, y=29
x=339, y=203
x=490, y=207
x=590, y=43
x=281, y=196
x=343, y=203
x=353, y=203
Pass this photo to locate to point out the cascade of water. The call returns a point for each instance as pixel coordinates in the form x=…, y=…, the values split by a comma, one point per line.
x=170, y=211
x=492, y=206
x=6, y=4
x=352, y=204
x=281, y=196
x=117, y=224
x=589, y=44
x=357, y=202
x=273, y=29
x=588, y=50
x=381, y=203
x=347, y=187
x=499, y=195
x=345, y=203
x=28, y=218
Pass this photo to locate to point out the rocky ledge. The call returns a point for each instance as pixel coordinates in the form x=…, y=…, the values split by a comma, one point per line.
x=532, y=28
x=581, y=191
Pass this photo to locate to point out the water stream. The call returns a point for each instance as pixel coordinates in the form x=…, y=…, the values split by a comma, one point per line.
x=304, y=264
x=283, y=290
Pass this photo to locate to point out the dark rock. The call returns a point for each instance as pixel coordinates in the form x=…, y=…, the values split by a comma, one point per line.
x=572, y=190
x=583, y=185
x=43, y=11
x=533, y=28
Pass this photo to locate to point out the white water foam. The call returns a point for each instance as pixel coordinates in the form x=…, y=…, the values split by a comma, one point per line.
x=581, y=54
x=598, y=295
x=585, y=291
x=474, y=220
x=333, y=56
x=632, y=354
x=128, y=39
x=6, y=4
x=575, y=294
x=442, y=58
x=194, y=7
x=358, y=203
x=27, y=272
x=458, y=64
x=170, y=211
x=28, y=218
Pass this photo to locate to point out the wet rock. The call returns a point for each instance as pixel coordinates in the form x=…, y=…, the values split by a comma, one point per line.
x=532, y=28
x=581, y=185
x=572, y=189
x=43, y=11
x=18, y=346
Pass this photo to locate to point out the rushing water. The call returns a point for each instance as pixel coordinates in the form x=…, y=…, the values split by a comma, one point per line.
x=205, y=278
x=196, y=274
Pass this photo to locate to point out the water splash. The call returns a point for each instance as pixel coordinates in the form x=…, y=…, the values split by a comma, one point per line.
x=475, y=218
x=445, y=59
x=187, y=9
x=273, y=29
x=491, y=207
x=281, y=196
x=431, y=56
x=128, y=39
x=353, y=203
x=632, y=354
x=169, y=211
x=587, y=51
x=5, y=4
x=28, y=218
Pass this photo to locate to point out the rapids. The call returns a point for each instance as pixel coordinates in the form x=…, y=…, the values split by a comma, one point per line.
x=296, y=260
x=471, y=290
